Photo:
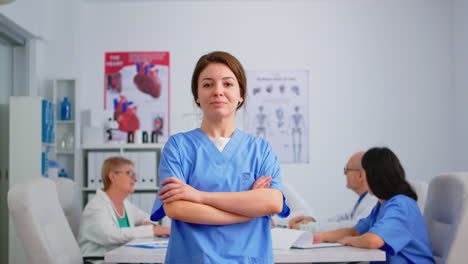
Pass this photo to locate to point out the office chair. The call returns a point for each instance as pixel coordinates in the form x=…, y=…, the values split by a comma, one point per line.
x=41, y=223
x=67, y=194
x=446, y=216
x=421, y=190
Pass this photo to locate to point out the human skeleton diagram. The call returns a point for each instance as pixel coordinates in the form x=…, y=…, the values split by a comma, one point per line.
x=280, y=117
x=261, y=123
x=297, y=127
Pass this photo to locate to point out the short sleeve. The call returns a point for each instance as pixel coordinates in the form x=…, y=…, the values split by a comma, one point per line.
x=170, y=165
x=393, y=227
x=364, y=224
x=271, y=167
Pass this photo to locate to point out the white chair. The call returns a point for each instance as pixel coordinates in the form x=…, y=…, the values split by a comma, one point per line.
x=41, y=224
x=446, y=216
x=67, y=194
x=421, y=190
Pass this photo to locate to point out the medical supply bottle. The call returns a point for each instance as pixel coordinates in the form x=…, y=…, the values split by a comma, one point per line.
x=65, y=109
x=63, y=174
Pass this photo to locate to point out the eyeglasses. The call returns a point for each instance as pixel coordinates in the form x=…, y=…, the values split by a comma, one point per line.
x=129, y=173
x=346, y=169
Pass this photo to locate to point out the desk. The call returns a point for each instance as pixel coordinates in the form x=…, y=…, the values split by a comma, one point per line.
x=332, y=254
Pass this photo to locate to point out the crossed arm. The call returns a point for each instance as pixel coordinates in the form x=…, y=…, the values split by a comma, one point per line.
x=350, y=237
x=185, y=203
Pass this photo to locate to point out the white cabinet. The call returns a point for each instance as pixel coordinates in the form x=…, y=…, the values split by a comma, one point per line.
x=145, y=158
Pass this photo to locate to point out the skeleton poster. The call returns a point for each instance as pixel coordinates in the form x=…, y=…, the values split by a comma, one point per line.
x=277, y=110
x=136, y=91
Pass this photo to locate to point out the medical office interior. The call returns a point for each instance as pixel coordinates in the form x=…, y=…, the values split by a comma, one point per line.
x=380, y=73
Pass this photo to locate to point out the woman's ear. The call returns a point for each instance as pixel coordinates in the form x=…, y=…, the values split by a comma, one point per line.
x=111, y=176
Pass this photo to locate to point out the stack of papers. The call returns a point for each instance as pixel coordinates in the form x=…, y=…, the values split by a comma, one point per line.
x=149, y=244
x=283, y=238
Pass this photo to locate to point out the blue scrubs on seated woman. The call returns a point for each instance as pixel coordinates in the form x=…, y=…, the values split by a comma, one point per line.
x=398, y=221
x=193, y=158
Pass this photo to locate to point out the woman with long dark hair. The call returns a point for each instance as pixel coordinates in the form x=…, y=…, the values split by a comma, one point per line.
x=395, y=225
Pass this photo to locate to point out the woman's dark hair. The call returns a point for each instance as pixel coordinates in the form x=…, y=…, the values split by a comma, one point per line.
x=223, y=58
x=385, y=175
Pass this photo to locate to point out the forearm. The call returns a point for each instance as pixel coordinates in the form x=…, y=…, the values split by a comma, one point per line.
x=201, y=214
x=335, y=235
x=367, y=240
x=253, y=203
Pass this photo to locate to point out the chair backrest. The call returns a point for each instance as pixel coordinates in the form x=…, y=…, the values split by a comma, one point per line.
x=421, y=190
x=446, y=216
x=66, y=190
x=41, y=224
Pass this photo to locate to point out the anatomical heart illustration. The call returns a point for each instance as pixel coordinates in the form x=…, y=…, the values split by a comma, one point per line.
x=137, y=91
x=147, y=79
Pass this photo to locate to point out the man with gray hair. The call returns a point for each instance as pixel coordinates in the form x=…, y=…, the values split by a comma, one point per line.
x=356, y=181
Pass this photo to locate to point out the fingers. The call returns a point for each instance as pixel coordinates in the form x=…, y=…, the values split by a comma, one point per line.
x=161, y=230
x=262, y=182
x=171, y=195
x=317, y=238
x=169, y=187
x=295, y=221
x=171, y=179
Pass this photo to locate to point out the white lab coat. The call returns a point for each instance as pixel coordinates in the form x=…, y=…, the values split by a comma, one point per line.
x=100, y=231
x=296, y=203
x=347, y=219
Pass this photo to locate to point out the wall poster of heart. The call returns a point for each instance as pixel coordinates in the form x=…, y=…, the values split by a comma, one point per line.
x=136, y=90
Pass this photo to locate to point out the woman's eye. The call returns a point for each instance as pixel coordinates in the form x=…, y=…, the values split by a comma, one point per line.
x=229, y=84
x=206, y=85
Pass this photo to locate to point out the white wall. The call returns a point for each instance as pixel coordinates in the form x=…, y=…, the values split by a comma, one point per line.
x=28, y=14
x=53, y=23
x=460, y=10
x=380, y=72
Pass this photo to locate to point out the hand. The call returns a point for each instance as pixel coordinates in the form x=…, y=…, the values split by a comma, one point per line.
x=175, y=190
x=147, y=223
x=161, y=230
x=262, y=182
x=299, y=220
x=318, y=238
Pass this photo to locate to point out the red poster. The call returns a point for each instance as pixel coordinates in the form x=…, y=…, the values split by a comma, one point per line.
x=137, y=91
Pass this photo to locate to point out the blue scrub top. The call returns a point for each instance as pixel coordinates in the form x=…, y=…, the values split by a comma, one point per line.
x=193, y=158
x=398, y=221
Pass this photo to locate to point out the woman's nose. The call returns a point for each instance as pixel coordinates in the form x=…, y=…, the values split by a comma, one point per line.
x=218, y=88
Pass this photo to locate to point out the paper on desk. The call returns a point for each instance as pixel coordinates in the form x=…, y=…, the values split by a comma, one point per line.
x=283, y=238
x=149, y=244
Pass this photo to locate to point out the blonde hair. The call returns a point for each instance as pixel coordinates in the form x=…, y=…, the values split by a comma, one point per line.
x=111, y=164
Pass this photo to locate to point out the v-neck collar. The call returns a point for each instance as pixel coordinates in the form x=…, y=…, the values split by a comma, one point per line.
x=211, y=147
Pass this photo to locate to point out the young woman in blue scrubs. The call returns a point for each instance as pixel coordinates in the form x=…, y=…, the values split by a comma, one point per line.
x=218, y=184
x=395, y=225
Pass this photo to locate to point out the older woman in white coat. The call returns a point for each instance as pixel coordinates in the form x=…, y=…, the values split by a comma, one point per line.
x=109, y=220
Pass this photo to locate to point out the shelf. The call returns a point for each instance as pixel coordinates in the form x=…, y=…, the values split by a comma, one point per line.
x=65, y=122
x=65, y=153
x=118, y=146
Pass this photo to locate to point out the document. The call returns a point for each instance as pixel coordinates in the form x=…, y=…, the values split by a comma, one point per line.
x=149, y=244
x=284, y=238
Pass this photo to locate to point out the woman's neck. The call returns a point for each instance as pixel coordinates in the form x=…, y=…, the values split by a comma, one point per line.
x=116, y=197
x=221, y=128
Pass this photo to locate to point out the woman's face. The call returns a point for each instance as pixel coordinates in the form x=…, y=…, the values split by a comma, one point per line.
x=124, y=178
x=218, y=92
